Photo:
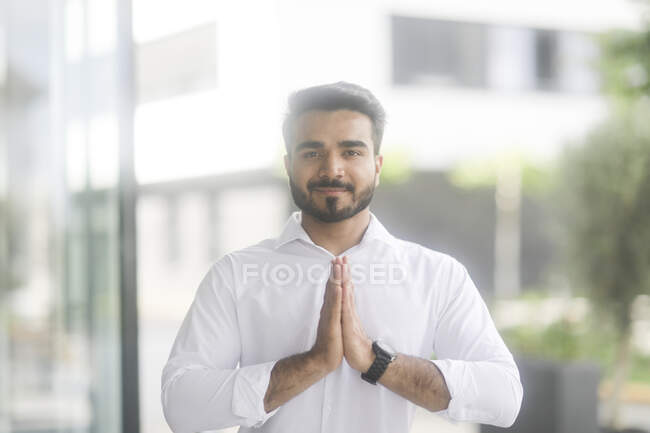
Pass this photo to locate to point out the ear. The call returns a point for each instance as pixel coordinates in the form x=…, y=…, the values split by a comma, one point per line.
x=379, y=162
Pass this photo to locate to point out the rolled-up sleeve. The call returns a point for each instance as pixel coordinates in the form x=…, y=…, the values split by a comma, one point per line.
x=202, y=386
x=480, y=372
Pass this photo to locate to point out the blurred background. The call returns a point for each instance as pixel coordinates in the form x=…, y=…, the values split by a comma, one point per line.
x=140, y=141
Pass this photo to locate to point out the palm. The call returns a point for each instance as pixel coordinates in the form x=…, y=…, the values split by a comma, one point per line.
x=357, y=346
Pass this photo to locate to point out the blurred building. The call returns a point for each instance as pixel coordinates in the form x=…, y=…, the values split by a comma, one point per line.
x=199, y=97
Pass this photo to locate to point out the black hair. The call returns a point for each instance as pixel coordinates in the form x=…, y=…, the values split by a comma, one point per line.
x=335, y=96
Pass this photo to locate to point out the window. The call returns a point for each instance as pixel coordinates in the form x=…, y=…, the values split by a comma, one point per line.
x=546, y=60
x=450, y=53
x=438, y=52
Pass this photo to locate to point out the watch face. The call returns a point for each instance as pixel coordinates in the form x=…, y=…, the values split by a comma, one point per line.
x=386, y=347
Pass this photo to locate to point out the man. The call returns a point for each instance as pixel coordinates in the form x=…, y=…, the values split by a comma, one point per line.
x=334, y=322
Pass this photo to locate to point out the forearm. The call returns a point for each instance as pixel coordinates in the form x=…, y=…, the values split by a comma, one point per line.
x=484, y=391
x=291, y=376
x=417, y=380
x=208, y=398
x=200, y=399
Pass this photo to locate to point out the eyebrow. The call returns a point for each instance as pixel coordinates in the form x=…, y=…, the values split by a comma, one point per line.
x=353, y=143
x=319, y=145
x=309, y=145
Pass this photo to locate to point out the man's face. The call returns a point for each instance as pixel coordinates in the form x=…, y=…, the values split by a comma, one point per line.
x=332, y=168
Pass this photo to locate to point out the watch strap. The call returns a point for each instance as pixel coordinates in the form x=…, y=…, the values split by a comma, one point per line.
x=379, y=365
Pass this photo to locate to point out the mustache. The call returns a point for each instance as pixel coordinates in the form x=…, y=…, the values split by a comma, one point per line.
x=325, y=183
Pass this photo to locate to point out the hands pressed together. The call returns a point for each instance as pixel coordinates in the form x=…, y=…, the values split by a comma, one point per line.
x=340, y=333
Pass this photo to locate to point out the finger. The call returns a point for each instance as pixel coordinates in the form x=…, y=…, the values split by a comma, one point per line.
x=345, y=277
x=344, y=294
x=345, y=318
x=343, y=304
x=338, y=300
x=353, y=309
x=333, y=297
x=348, y=321
x=346, y=291
x=335, y=276
x=349, y=299
x=333, y=282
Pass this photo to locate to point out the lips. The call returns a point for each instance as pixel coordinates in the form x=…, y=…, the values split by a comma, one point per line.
x=330, y=191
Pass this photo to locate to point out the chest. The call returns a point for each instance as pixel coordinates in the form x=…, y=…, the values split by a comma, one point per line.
x=278, y=316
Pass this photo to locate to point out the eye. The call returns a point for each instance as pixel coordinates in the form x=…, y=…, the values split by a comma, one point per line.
x=352, y=153
x=311, y=154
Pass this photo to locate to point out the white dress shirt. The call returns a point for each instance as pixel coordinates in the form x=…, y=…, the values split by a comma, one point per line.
x=260, y=304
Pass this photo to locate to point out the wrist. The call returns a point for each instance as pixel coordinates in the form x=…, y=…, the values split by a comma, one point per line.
x=384, y=355
x=367, y=358
x=318, y=361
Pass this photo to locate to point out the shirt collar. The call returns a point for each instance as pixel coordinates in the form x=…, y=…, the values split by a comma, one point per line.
x=293, y=230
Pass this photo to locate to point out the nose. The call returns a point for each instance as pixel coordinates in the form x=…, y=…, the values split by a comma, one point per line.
x=331, y=167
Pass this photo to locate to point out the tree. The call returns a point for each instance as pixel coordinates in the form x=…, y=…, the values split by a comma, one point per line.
x=606, y=184
x=625, y=64
x=606, y=181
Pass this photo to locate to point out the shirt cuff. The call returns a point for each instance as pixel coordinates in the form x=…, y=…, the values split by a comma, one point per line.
x=463, y=391
x=251, y=383
x=444, y=367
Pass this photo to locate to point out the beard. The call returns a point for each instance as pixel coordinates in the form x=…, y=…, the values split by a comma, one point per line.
x=331, y=213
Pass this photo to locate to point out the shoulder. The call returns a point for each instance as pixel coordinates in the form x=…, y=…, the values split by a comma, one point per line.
x=420, y=255
x=229, y=268
x=255, y=253
x=431, y=269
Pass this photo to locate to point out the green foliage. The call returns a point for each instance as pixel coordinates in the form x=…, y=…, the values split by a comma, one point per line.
x=605, y=202
x=605, y=186
x=561, y=341
x=474, y=174
x=566, y=341
x=626, y=63
x=640, y=368
x=397, y=166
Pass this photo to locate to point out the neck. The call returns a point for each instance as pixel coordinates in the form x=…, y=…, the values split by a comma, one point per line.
x=337, y=237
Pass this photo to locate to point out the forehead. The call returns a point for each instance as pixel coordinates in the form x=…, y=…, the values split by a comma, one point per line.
x=337, y=125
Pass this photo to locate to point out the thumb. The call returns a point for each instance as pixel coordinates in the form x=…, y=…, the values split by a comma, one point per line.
x=337, y=291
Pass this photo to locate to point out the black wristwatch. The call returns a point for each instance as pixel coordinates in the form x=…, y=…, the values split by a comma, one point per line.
x=384, y=355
